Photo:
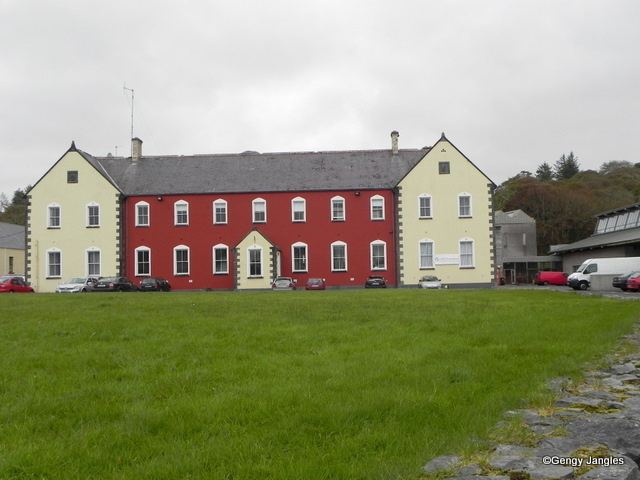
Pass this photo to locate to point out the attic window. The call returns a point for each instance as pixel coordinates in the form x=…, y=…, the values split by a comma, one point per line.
x=72, y=176
x=443, y=168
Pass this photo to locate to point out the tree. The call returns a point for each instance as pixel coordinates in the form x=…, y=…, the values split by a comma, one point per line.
x=566, y=167
x=544, y=173
x=16, y=211
x=613, y=165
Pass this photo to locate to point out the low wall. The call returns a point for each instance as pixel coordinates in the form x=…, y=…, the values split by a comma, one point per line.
x=601, y=282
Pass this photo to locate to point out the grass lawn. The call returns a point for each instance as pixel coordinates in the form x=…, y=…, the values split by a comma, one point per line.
x=301, y=385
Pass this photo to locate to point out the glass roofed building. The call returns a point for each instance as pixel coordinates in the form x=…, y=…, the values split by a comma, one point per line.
x=616, y=234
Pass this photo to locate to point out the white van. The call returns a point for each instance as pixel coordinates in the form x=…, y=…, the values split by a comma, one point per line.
x=581, y=278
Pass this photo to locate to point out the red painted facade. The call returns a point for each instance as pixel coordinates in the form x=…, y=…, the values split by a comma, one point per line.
x=318, y=231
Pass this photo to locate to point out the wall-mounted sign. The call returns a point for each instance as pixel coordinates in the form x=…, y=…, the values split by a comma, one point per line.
x=447, y=259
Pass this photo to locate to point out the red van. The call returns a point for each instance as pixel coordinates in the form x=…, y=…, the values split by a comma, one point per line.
x=551, y=278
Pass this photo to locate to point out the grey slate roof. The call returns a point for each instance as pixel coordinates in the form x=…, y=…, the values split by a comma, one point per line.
x=11, y=236
x=621, y=237
x=512, y=217
x=255, y=172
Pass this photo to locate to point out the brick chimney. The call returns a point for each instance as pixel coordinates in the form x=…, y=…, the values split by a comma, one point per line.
x=394, y=142
x=136, y=149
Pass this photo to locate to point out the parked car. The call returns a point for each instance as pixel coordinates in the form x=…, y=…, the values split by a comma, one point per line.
x=429, y=281
x=551, y=278
x=77, y=285
x=315, y=284
x=581, y=278
x=283, y=283
x=114, y=284
x=621, y=281
x=153, y=284
x=375, y=281
x=633, y=282
x=14, y=284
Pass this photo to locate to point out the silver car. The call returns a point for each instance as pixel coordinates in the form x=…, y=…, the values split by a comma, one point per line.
x=430, y=281
x=77, y=285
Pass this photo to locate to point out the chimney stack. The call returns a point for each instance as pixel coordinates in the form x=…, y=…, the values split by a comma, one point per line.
x=136, y=149
x=394, y=142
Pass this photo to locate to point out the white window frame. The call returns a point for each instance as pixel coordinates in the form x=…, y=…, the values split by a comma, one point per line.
x=433, y=254
x=339, y=243
x=384, y=245
x=176, y=205
x=344, y=209
x=221, y=202
x=48, y=264
x=143, y=204
x=473, y=252
x=220, y=246
x=306, y=257
x=253, y=210
x=249, y=250
x=304, y=210
x=49, y=207
x=89, y=206
x=371, y=202
x=86, y=261
x=175, y=261
x=460, y=196
x=420, y=197
x=142, y=248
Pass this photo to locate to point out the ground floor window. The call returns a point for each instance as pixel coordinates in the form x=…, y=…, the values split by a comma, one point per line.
x=93, y=263
x=299, y=255
x=220, y=259
x=339, y=257
x=426, y=254
x=466, y=253
x=54, y=264
x=143, y=261
x=378, y=255
x=255, y=262
x=181, y=260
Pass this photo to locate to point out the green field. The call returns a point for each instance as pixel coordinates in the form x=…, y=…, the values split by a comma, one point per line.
x=288, y=385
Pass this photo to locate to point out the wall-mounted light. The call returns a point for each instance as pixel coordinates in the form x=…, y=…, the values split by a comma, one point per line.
x=159, y=198
x=357, y=194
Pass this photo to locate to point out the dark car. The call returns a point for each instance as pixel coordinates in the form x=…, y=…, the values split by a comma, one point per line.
x=375, y=281
x=621, y=281
x=315, y=284
x=152, y=284
x=14, y=284
x=114, y=284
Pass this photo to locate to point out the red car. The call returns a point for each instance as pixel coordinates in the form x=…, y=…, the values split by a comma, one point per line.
x=315, y=284
x=551, y=278
x=633, y=282
x=10, y=284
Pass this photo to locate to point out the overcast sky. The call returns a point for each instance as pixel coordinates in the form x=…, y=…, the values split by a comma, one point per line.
x=512, y=83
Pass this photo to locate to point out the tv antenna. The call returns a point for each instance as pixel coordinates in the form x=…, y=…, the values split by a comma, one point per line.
x=125, y=89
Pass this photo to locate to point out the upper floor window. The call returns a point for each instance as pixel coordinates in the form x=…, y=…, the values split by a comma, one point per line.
x=181, y=212
x=259, y=210
x=338, y=257
x=466, y=253
x=298, y=210
x=464, y=205
x=54, y=263
x=377, y=207
x=220, y=211
x=181, y=260
x=444, y=168
x=424, y=206
x=142, y=214
x=93, y=262
x=378, y=250
x=220, y=259
x=143, y=261
x=299, y=257
x=72, y=176
x=93, y=215
x=54, y=219
x=426, y=253
x=337, y=209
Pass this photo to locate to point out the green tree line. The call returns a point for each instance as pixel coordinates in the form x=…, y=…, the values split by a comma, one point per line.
x=564, y=200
